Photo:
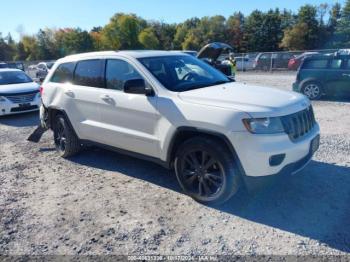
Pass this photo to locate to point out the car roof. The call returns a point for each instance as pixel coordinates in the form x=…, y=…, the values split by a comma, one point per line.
x=10, y=70
x=133, y=54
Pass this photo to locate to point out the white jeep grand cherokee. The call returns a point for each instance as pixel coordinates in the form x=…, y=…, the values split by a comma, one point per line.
x=176, y=110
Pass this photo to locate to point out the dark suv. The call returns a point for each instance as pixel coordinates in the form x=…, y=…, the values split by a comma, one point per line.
x=324, y=75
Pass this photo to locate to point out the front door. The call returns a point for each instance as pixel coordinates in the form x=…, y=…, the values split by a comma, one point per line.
x=338, y=77
x=128, y=121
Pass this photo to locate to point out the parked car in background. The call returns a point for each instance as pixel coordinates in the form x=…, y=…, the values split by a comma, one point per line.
x=217, y=134
x=244, y=63
x=42, y=69
x=324, y=75
x=15, y=65
x=214, y=54
x=3, y=65
x=272, y=61
x=18, y=92
x=296, y=61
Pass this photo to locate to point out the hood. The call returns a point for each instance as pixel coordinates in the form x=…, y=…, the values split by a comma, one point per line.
x=254, y=100
x=18, y=88
x=214, y=50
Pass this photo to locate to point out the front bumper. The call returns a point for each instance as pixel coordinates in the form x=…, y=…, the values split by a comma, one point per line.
x=255, y=151
x=9, y=108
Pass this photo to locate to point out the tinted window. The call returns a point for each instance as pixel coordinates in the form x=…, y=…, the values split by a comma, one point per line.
x=181, y=73
x=118, y=72
x=89, y=73
x=14, y=77
x=315, y=64
x=64, y=73
x=336, y=63
x=348, y=64
x=265, y=56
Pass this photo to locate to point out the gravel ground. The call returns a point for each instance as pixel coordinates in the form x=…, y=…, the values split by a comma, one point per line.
x=104, y=203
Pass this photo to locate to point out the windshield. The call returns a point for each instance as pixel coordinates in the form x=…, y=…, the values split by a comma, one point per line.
x=182, y=73
x=14, y=77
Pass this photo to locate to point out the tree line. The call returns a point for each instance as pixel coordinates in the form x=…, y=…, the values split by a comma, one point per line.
x=312, y=27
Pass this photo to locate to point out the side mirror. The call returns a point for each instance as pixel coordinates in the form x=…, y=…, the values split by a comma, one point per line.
x=137, y=86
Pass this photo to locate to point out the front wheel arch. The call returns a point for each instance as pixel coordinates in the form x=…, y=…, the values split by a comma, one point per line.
x=184, y=133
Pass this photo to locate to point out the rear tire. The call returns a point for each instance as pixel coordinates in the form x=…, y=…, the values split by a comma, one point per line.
x=312, y=90
x=66, y=142
x=206, y=170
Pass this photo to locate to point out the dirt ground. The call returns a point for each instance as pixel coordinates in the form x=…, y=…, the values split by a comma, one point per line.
x=100, y=202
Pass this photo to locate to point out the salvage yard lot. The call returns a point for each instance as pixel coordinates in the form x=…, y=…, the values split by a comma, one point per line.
x=100, y=202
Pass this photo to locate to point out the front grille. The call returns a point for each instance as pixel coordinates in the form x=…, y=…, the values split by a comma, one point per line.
x=22, y=98
x=24, y=108
x=299, y=124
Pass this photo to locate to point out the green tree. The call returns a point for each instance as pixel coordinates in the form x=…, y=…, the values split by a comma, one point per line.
x=148, y=38
x=122, y=32
x=305, y=34
x=183, y=31
x=21, y=54
x=31, y=47
x=342, y=33
x=235, y=32
x=165, y=34
x=73, y=40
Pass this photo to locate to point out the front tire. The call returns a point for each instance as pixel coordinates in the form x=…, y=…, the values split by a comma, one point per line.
x=206, y=170
x=66, y=142
x=312, y=90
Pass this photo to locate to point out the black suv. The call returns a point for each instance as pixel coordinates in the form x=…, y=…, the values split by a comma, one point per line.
x=324, y=75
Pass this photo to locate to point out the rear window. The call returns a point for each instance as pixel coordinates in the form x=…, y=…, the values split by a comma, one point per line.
x=89, y=73
x=315, y=64
x=64, y=73
x=336, y=63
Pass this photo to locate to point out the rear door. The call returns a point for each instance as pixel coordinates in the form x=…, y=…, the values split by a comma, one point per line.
x=129, y=121
x=82, y=98
x=338, y=77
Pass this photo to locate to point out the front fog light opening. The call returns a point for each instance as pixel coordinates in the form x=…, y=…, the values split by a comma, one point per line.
x=276, y=160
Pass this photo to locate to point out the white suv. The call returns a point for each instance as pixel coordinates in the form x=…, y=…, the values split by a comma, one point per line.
x=176, y=110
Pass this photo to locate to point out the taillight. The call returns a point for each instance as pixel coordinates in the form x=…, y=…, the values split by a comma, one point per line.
x=41, y=90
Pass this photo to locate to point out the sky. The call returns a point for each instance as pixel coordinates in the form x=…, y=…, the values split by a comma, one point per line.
x=30, y=16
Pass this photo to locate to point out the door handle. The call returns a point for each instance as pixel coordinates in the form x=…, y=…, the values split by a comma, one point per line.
x=106, y=98
x=69, y=93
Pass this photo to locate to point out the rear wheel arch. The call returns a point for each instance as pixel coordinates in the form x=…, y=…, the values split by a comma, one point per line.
x=52, y=114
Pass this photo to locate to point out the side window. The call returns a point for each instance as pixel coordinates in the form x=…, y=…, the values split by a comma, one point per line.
x=315, y=64
x=336, y=63
x=118, y=72
x=265, y=56
x=64, y=73
x=348, y=64
x=89, y=73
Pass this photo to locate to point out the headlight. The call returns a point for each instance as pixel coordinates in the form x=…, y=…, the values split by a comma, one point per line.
x=2, y=99
x=267, y=125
